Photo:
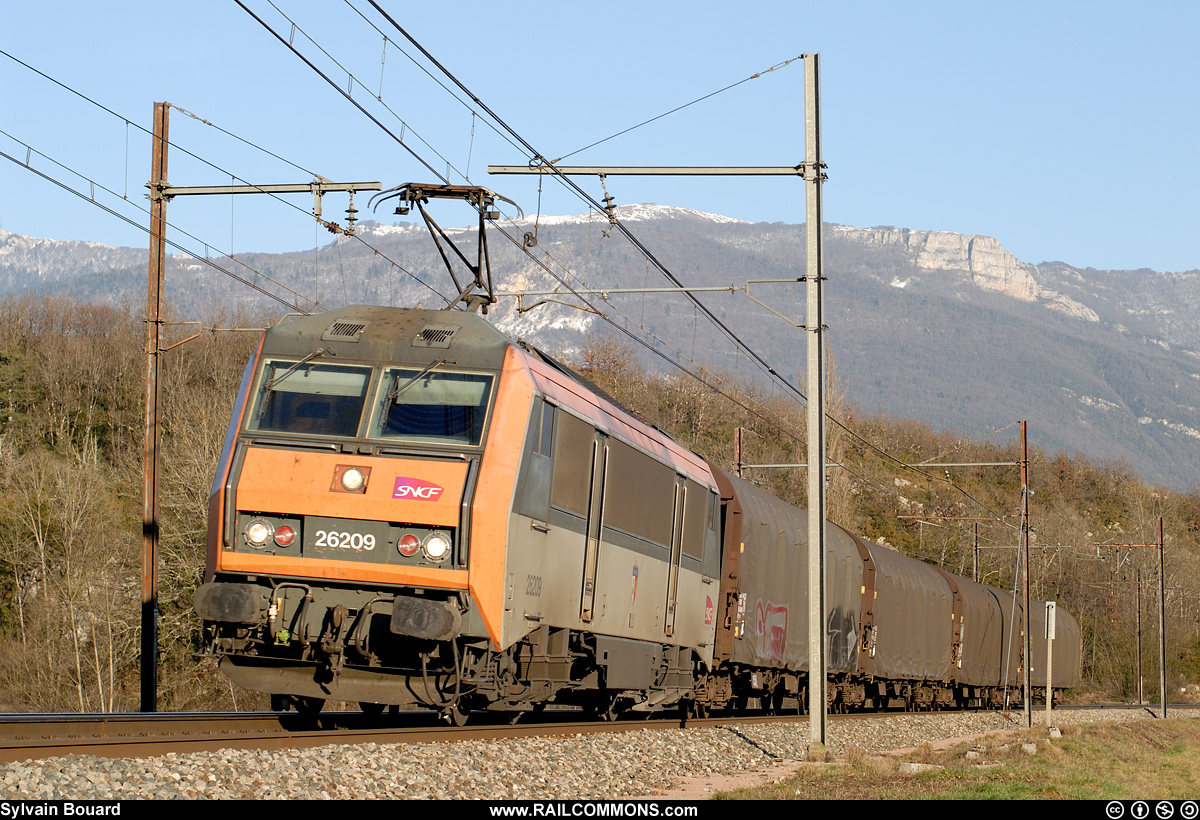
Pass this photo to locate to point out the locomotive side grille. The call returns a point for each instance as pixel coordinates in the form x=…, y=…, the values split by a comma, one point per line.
x=346, y=330
x=438, y=336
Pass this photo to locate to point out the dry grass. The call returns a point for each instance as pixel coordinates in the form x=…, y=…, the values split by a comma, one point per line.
x=1146, y=759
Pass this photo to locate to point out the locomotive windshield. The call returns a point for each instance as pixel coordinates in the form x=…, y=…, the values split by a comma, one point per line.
x=434, y=406
x=304, y=397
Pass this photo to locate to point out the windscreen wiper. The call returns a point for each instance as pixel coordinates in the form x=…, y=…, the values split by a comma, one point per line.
x=316, y=354
x=392, y=396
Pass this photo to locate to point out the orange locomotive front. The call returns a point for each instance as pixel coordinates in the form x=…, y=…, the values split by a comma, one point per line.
x=338, y=552
x=364, y=545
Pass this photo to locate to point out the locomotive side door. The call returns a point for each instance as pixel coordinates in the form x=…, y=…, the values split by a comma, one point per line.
x=676, y=553
x=595, y=522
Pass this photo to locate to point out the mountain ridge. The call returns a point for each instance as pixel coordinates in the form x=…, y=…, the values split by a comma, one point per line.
x=946, y=328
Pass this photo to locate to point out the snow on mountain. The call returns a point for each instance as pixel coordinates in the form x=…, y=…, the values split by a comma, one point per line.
x=1101, y=362
x=634, y=213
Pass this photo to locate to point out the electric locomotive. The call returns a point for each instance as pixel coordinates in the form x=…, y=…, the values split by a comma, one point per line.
x=412, y=510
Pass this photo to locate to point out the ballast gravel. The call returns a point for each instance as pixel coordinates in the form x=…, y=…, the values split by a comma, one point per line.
x=596, y=766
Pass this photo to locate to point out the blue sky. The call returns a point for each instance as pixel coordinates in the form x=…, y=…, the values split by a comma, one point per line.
x=1065, y=130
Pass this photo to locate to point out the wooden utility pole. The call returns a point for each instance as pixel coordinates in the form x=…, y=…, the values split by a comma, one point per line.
x=1162, y=613
x=1026, y=650
x=1162, y=620
x=975, y=556
x=158, y=226
x=1140, y=681
x=162, y=192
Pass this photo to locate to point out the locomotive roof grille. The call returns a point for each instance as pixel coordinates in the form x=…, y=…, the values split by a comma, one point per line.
x=347, y=330
x=438, y=336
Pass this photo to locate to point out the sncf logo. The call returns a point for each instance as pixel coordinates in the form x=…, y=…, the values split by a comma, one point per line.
x=415, y=489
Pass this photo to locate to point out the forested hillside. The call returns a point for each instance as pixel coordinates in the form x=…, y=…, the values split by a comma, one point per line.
x=71, y=432
x=71, y=404
x=1075, y=505
x=942, y=327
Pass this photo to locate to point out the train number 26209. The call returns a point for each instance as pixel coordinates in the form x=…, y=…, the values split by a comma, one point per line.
x=344, y=540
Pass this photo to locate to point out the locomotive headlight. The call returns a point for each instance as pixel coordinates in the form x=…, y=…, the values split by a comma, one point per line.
x=258, y=532
x=437, y=546
x=353, y=479
x=350, y=479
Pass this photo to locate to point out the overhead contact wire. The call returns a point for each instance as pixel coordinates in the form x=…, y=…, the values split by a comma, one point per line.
x=431, y=76
x=176, y=245
x=210, y=164
x=678, y=108
x=361, y=84
x=537, y=159
x=338, y=88
x=150, y=133
x=107, y=190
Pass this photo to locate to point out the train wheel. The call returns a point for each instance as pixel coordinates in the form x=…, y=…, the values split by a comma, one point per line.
x=518, y=715
x=689, y=709
x=309, y=707
x=602, y=706
x=456, y=714
x=371, y=709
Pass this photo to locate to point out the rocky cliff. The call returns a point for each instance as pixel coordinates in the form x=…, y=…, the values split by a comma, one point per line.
x=981, y=260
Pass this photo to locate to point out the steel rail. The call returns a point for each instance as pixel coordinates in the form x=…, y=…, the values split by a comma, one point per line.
x=34, y=737
x=31, y=737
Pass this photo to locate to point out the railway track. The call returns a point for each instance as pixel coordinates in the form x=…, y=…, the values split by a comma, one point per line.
x=31, y=737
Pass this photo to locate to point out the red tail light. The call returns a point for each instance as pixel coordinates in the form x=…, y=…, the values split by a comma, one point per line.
x=409, y=545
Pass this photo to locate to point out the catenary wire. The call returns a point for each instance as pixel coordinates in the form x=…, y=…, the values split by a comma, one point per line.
x=537, y=157
x=623, y=228
x=353, y=101
x=431, y=76
x=678, y=108
x=150, y=133
x=175, y=245
x=141, y=208
x=354, y=80
x=204, y=161
x=579, y=191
